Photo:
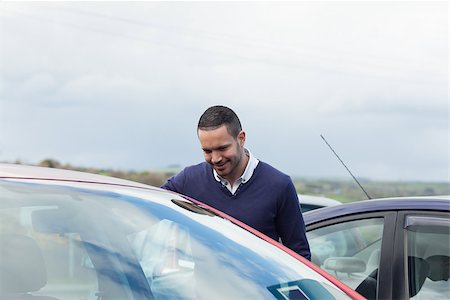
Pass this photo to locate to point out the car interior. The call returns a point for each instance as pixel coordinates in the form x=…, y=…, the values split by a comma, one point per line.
x=22, y=268
x=351, y=252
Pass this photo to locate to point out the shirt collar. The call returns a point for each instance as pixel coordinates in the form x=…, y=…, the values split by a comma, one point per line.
x=249, y=169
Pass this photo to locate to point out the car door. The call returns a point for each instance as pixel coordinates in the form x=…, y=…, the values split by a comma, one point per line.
x=352, y=247
x=422, y=256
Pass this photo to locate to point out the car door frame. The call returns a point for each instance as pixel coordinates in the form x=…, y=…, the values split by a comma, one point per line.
x=385, y=274
x=399, y=265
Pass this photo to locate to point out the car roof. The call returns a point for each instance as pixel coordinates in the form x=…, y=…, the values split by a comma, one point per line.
x=431, y=203
x=317, y=200
x=35, y=172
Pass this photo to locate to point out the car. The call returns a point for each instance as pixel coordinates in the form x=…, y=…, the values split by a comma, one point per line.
x=310, y=202
x=394, y=248
x=72, y=235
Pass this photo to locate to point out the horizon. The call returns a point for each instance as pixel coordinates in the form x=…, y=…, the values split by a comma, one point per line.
x=176, y=168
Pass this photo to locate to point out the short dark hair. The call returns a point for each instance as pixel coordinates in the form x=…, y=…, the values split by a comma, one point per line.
x=217, y=116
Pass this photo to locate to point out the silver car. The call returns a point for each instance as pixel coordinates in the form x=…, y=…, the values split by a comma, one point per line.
x=71, y=235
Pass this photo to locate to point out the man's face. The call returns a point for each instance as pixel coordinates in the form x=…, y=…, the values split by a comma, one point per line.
x=224, y=152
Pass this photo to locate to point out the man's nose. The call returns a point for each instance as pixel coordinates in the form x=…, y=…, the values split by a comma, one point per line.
x=215, y=157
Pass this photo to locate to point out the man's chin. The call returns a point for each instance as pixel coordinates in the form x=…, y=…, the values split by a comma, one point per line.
x=222, y=172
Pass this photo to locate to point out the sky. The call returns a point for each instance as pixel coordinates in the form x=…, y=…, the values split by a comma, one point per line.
x=121, y=85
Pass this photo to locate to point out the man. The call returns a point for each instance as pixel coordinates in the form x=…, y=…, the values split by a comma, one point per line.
x=232, y=180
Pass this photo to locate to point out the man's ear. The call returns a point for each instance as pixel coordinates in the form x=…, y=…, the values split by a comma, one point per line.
x=241, y=138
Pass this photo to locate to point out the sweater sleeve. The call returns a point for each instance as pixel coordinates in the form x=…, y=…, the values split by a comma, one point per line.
x=176, y=182
x=290, y=224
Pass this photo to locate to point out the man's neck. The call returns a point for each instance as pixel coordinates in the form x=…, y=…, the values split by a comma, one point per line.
x=242, y=166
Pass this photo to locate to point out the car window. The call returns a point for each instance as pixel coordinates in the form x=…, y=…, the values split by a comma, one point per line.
x=165, y=254
x=62, y=258
x=350, y=251
x=308, y=207
x=428, y=249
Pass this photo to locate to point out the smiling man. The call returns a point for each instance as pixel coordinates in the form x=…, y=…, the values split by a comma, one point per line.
x=234, y=181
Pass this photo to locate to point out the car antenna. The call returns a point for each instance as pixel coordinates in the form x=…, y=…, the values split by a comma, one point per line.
x=323, y=138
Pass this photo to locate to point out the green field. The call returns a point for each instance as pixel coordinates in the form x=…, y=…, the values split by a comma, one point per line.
x=348, y=190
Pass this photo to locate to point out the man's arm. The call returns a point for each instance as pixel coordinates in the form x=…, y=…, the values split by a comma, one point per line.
x=290, y=224
x=175, y=183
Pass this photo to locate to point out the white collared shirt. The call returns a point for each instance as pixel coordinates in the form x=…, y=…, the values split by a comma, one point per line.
x=249, y=169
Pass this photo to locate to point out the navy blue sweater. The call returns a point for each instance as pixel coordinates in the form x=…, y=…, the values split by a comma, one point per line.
x=267, y=202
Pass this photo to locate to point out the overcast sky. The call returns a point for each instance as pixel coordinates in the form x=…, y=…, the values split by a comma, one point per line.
x=121, y=85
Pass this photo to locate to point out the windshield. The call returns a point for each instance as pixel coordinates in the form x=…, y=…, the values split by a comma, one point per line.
x=111, y=242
